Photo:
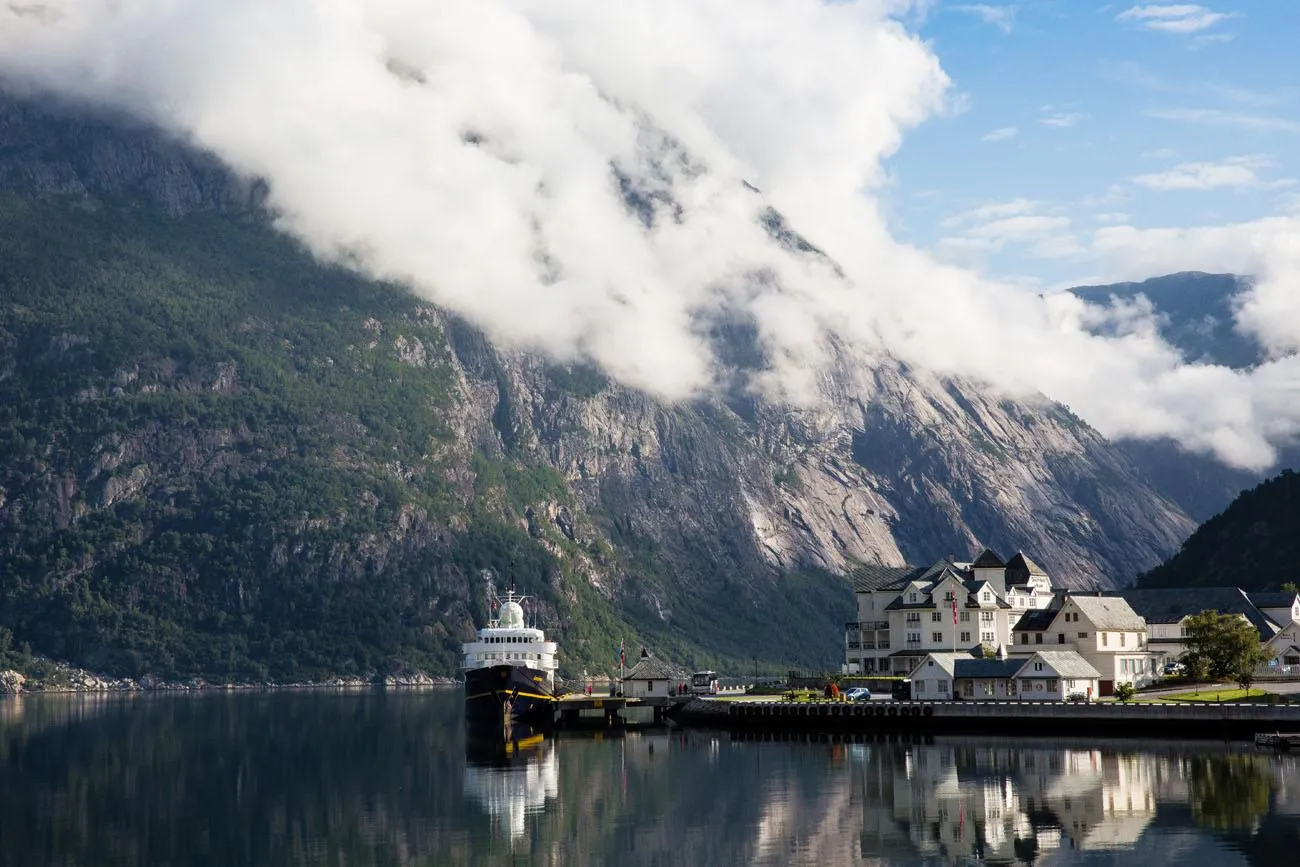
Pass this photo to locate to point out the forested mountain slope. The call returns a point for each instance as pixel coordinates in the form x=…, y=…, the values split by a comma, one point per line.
x=220, y=457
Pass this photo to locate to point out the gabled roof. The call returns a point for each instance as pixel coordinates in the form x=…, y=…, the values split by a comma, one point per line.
x=652, y=668
x=1066, y=663
x=1171, y=605
x=871, y=576
x=942, y=658
x=988, y=560
x=1109, y=612
x=1020, y=568
x=975, y=588
x=995, y=668
x=900, y=605
x=1035, y=620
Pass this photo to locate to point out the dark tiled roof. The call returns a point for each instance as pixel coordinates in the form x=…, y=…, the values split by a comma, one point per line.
x=1170, y=605
x=1020, y=568
x=1000, y=668
x=988, y=560
x=1036, y=620
x=1272, y=600
x=868, y=577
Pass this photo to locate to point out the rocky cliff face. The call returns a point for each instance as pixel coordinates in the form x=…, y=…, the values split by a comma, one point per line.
x=657, y=514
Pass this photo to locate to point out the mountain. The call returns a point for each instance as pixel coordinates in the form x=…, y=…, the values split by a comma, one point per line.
x=1197, y=315
x=1254, y=544
x=221, y=457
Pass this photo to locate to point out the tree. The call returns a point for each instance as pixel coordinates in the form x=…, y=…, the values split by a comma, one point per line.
x=1125, y=691
x=1290, y=587
x=1224, y=647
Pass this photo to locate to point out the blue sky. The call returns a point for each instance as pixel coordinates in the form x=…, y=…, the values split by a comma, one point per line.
x=1070, y=116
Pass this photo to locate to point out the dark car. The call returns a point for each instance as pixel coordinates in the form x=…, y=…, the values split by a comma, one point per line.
x=901, y=690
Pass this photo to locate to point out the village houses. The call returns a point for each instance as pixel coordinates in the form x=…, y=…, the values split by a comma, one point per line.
x=972, y=627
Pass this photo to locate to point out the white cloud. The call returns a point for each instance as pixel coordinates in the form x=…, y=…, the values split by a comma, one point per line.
x=468, y=149
x=1000, y=134
x=1216, y=117
x=1001, y=17
x=1061, y=119
x=1173, y=18
x=1234, y=172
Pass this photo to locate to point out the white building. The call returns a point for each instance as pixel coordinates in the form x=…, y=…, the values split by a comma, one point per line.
x=906, y=612
x=1275, y=616
x=1104, y=630
x=1048, y=675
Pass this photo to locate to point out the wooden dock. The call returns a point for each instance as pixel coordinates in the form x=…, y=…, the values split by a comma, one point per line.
x=1282, y=743
x=576, y=710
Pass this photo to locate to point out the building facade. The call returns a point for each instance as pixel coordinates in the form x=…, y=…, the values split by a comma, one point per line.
x=907, y=612
x=1047, y=675
x=1104, y=630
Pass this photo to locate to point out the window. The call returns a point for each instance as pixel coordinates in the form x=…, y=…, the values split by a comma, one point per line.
x=1051, y=684
x=920, y=687
x=987, y=637
x=968, y=688
x=986, y=616
x=987, y=596
x=1038, y=638
x=943, y=686
x=936, y=637
x=1038, y=666
x=1103, y=639
x=965, y=617
x=1083, y=635
x=911, y=597
x=914, y=636
x=948, y=597
x=1123, y=639
x=1060, y=639
x=965, y=638
x=936, y=617
x=913, y=617
x=1024, y=638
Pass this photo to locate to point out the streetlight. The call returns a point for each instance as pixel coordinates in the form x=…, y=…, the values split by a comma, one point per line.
x=755, y=670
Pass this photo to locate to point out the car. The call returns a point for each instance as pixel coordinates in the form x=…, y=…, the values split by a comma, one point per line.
x=858, y=693
x=901, y=690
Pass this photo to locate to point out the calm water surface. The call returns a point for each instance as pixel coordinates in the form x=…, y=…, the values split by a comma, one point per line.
x=387, y=779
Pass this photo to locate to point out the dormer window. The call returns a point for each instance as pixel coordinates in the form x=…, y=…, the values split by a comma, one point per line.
x=988, y=597
x=911, y=597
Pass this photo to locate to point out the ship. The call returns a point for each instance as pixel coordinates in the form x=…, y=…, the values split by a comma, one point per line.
x=509, y=671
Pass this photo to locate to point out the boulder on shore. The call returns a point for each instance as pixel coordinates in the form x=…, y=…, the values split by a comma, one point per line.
x=11, y=682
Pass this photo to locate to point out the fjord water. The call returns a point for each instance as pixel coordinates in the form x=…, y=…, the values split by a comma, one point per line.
x=376, y=778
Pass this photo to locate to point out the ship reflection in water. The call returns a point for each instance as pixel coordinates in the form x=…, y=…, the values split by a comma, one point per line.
x=512, y=777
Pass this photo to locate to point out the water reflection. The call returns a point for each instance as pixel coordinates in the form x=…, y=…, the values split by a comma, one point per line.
x=512, y=779
x=390, y=779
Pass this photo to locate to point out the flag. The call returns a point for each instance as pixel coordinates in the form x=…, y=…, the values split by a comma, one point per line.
x=622, y=657
x=954, y=609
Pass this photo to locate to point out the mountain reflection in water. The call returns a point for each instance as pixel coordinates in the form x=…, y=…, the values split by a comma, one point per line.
x=390, y=778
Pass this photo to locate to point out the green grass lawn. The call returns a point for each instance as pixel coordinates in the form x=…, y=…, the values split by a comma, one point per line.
x=1218, y=695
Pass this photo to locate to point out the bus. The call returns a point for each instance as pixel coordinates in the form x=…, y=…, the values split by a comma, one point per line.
x=704, y=683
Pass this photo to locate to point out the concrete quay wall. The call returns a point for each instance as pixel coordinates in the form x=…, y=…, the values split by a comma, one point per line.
x=1219, y=721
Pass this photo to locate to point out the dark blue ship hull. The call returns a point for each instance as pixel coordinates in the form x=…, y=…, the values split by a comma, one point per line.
x=505, y=695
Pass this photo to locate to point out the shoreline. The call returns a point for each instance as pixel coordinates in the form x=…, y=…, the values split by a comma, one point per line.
x=69, y=680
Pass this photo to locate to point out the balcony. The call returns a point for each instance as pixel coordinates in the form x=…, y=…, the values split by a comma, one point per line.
x=865, y=624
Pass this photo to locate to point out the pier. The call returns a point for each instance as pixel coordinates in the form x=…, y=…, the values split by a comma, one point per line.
x=576, y=710
x=1218, y=721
